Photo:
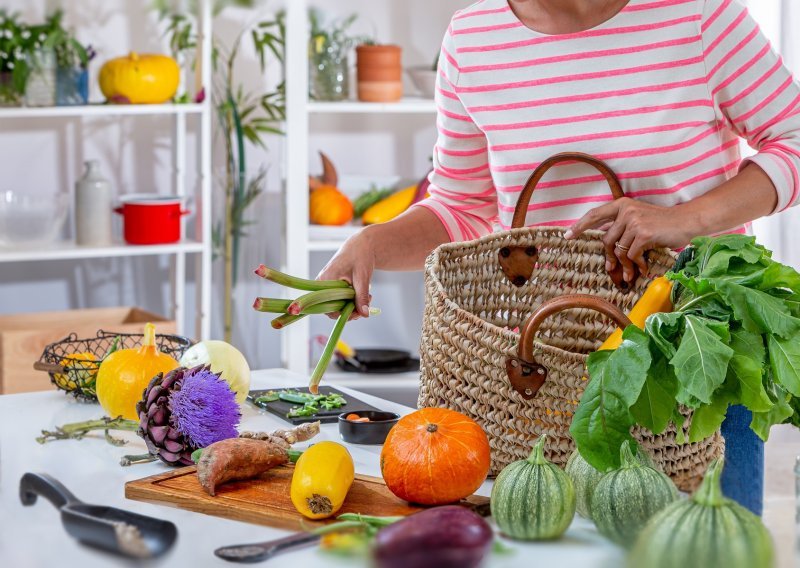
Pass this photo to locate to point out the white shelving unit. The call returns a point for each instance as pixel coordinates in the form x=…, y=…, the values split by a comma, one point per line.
x=302, y=239
x=200, y=243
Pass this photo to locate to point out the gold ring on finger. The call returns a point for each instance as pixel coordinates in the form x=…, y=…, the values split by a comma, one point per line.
x=621, y=247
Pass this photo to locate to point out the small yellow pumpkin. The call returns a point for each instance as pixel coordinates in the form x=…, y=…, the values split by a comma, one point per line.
x=125, y=374
x=140, y=79
x=322, y=477
x=329, y=206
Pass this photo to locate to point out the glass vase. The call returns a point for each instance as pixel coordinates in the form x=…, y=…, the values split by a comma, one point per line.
x=72, y=86
x=328, y=72
x=40, y=90
x=9, y=95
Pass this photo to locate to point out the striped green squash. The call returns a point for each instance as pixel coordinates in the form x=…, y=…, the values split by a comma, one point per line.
x=706, y=530
x=533, y=499
x=585, y=478
x=627, y=497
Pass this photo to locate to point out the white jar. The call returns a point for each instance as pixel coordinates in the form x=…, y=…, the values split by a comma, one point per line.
x=93, y=207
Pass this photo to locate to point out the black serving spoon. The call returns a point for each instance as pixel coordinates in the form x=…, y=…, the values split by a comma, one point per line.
x=260, y=551
x=121, y=532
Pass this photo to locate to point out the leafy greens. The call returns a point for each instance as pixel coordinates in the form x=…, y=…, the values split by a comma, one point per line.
x=732, y=338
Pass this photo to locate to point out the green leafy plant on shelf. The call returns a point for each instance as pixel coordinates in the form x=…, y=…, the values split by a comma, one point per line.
x=242, y=115
x=19, y=44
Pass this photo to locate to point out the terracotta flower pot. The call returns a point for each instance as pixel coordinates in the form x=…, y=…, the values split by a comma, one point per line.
x=380, y=73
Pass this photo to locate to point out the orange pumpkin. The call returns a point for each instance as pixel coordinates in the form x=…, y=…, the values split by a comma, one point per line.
x=329, y=206
x=435, y=456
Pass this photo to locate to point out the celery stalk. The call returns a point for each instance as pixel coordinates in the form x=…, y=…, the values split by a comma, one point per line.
x=299, y=283
x=333, y=339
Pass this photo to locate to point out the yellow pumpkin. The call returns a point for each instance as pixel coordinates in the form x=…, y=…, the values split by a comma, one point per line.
x=322, y=477
x=329, y=206
x=125, y=374
x=140, y=79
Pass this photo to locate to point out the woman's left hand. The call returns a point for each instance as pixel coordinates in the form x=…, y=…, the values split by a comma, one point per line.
x=633, y=227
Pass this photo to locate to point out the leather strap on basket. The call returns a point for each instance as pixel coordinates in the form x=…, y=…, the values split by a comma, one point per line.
x=525, y=373
x=518, y=262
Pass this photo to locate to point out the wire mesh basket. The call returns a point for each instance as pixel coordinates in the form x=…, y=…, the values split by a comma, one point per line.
x=72, y=363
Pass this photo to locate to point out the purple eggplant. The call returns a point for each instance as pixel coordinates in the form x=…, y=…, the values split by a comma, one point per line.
x=442, y=537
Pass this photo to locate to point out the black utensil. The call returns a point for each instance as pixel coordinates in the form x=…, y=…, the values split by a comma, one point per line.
x=260, y=551
x=121, y=532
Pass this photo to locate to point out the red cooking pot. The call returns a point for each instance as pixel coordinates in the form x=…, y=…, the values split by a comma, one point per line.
x=151, y=219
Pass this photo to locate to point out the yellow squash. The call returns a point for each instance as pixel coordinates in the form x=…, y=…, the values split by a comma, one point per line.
x=322, y=477
x=390, y=207
x=140, y=79
x=124, y=374
x=656, y=298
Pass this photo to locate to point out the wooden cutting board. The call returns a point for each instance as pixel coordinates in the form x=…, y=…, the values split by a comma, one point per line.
x=265, y=500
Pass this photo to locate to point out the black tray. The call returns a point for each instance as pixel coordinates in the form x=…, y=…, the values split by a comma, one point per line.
x=280, y=408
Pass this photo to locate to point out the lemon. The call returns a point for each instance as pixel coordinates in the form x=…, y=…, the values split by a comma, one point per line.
x=80, y=373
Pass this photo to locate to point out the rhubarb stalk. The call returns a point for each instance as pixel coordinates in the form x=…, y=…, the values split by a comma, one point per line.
x=298, y=283
x=327, y=353
x=303, y=303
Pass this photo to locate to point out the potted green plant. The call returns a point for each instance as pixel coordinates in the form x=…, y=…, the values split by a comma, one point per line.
x=244, y=116
x=329, y=47
x=14, y=36
x=424, y=78
x=72, y=62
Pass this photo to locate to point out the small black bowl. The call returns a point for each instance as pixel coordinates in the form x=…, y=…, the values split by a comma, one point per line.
x=373, y=432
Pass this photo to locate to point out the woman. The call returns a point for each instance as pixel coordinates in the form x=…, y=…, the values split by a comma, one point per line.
x=662, y=90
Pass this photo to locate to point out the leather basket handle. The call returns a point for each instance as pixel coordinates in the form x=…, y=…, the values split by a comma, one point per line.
x=526, y=375
x=521, y=210
x=518, y=263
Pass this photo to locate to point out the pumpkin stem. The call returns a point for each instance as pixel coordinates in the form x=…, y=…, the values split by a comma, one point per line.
x=537, y=454
x=432, y=428
x=149, y=339
x=710, y=491
x=626, y=456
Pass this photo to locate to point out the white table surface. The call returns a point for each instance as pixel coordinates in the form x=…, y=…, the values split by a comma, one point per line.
x=33, y=537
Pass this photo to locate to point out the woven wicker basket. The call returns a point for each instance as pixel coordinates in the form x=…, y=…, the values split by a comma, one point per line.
x=473, y=360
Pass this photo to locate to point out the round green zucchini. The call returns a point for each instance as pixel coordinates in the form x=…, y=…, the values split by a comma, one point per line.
x=533, y=499
x=705, y=530
x=626, y=498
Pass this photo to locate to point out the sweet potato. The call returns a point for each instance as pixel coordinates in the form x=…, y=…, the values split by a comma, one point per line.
x=236, y=459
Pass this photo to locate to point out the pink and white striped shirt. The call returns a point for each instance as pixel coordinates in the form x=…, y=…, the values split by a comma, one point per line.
x=662, y=92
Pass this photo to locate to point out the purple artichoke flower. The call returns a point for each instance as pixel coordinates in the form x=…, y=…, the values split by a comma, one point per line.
x=204, y=409
x=184, y=410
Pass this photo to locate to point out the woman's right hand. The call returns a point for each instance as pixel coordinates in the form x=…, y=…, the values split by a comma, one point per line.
x=354, y=263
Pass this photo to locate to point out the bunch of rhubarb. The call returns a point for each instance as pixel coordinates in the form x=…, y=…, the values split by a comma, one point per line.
x=322, y=297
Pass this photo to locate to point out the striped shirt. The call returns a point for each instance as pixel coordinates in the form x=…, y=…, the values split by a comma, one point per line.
x=662, y=92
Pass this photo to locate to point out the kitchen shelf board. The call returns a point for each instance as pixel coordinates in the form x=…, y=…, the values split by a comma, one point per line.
x=407, y=105
x=321, y=238
x=99, y=110
x=69, y=251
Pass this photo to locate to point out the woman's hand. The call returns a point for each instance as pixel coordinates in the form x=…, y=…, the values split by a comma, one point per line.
x=354, y=263
x=633, y=227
